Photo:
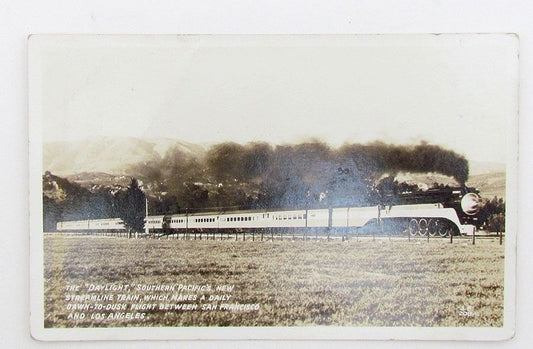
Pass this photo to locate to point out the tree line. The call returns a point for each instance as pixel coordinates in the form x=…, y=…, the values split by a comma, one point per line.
x=66, y=201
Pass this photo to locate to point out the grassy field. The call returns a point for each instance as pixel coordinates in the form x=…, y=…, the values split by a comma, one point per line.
x=296, y=283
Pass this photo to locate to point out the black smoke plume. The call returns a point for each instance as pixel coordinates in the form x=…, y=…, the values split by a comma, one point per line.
x=312, y=174
x=377, y=158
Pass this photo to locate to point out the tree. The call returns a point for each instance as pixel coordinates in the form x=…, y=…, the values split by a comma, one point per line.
x=131, y=206
x=492, y=215
x=496, y=223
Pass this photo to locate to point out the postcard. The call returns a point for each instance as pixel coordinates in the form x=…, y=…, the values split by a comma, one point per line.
x=273, y=186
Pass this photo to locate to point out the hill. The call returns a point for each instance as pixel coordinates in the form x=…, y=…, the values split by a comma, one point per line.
x=483, y=167
x=489, y=184
x=107, y=155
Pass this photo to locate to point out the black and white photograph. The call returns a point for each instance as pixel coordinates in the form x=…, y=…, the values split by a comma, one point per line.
x=273, y=186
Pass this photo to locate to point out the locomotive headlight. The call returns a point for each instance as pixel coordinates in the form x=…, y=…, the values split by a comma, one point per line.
x=471, y=204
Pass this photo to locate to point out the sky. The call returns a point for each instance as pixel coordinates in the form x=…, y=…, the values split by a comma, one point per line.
x=456, y=91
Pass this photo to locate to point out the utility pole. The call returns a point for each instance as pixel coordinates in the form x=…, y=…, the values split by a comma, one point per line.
x=146, y=229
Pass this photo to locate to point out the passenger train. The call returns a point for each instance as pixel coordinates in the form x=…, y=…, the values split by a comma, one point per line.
x=422, y=219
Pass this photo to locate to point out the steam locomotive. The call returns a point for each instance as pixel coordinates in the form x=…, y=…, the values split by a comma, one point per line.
x=440, y=212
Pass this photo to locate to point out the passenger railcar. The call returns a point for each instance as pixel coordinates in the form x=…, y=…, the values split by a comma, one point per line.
x=108, y=224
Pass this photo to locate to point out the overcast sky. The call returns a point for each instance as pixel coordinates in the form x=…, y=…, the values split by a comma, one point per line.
x=456, y=91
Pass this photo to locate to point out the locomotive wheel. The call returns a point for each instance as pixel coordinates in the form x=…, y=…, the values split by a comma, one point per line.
x=423, y=227
x=414, y=228
x=433, y=227
x=444, y=230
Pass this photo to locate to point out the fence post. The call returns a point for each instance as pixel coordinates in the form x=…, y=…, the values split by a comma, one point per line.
x=501, y=237
x=474, y=236
x=451, y=237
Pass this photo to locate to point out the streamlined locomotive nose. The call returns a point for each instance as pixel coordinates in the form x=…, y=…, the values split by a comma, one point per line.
x=471, y=204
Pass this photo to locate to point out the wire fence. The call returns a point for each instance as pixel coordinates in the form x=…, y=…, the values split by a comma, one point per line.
x=284, y=234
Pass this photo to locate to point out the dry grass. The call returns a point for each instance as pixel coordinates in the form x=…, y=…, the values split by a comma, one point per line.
x=354, y=283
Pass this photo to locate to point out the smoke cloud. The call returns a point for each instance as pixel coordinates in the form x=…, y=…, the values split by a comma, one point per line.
x=309, y=174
